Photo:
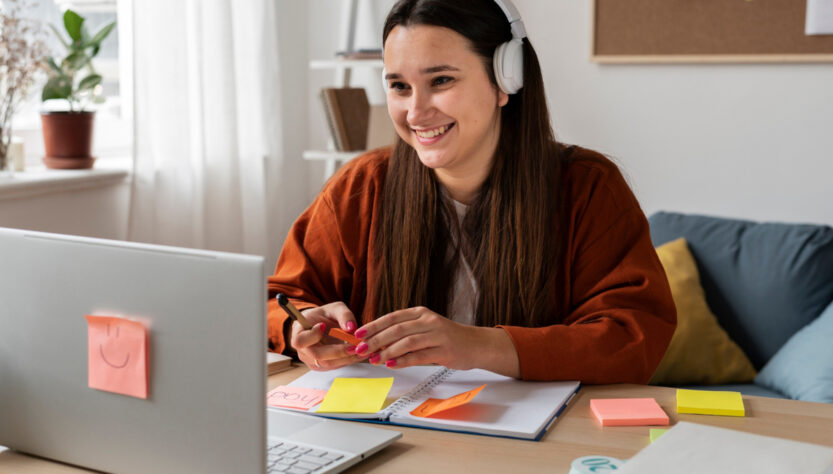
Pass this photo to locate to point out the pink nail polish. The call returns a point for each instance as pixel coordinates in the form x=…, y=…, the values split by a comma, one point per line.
x=375, y=358
x=361, y=333
x=391, y=363
x=350, y=326
x=351, y=350
x=361, y=348
x=323, y=328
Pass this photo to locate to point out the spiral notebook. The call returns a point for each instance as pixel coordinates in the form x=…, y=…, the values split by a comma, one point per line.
x=506, y=407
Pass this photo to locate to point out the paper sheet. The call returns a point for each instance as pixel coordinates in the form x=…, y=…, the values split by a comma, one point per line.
x=819, y=20
x=709, y=402
x=628, y=411
x=295, y=397
x=432, y=406
x=356, y=395
x=117, y=353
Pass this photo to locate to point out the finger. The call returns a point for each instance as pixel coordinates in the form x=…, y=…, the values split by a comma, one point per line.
x=341, y=314
x=303, y=338
x=432, y=355
x=383, y=322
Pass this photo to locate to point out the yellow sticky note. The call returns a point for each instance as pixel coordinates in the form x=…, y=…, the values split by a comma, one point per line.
x=708, y=402
x=117, y=354
x=656, y=433
x=356, y=395
x=433, y=406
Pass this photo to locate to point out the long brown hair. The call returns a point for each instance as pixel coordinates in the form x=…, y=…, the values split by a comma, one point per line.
x=510, y=235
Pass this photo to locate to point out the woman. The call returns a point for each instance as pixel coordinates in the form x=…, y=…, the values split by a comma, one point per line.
x=478, y=241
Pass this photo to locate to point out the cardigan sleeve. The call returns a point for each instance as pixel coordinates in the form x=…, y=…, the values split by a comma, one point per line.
x=621, y=315
x=309, y=268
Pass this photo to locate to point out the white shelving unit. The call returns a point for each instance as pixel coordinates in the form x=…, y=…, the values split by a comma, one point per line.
x=342, y=69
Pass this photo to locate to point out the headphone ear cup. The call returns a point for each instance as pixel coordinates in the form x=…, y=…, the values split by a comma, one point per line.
x=508, y=63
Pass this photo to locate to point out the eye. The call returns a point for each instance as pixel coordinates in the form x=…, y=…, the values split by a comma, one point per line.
x=398, y=86
x=441, y=80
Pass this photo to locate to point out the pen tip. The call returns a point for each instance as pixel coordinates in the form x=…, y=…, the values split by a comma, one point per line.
x=281, y=298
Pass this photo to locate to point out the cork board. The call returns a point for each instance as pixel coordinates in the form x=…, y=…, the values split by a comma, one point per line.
x=655, y=31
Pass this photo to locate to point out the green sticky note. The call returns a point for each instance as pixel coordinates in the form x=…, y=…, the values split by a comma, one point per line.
x=709, y=402
x=656, y=433
x=356, y=395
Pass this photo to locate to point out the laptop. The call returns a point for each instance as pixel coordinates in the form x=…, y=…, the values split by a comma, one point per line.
x=205, y=378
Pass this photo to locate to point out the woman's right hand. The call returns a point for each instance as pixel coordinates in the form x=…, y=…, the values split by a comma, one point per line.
x=321, y=352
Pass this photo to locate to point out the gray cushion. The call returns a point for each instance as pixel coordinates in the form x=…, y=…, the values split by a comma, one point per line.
x=763, y=281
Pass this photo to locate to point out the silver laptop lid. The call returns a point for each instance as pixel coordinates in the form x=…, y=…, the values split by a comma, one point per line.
x=205, y=314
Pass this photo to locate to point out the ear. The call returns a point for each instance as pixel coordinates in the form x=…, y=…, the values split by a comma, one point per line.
x=502, y=98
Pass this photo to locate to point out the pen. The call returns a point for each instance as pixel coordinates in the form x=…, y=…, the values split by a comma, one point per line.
x=293, y=313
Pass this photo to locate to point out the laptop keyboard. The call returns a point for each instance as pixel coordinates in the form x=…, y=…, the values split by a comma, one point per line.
x=283, y=456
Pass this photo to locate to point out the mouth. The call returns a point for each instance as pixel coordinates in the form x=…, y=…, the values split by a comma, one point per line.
x=432, y=135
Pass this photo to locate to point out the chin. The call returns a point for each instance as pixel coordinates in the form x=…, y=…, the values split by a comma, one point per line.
x=432, y=159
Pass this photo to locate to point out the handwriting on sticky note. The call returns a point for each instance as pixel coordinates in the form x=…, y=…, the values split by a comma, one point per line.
x=117, y=355
x=295, y=397
x=432, y=406
x=356, y=395
x=710, y=402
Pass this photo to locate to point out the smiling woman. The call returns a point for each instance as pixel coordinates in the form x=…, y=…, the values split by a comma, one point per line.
x=478, y=240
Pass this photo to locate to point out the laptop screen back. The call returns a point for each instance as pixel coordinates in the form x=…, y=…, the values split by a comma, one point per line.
x=205, y=316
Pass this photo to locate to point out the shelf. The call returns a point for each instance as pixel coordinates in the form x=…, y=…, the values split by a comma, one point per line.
x=324, y=155
x=345, y=63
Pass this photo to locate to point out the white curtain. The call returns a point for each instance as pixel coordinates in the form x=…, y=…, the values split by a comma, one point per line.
x=210, y=148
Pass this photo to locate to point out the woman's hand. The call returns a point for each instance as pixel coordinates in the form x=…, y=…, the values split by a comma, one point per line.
x=418, y=336
x=316, y=350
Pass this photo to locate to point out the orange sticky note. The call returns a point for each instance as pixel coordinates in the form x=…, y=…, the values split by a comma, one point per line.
x=295, y=397
x=433, y=406
x=117, y=355
x=344, y=336
x=628, y=411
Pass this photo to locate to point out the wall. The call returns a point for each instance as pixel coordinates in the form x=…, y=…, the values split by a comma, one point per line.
x=741, y=140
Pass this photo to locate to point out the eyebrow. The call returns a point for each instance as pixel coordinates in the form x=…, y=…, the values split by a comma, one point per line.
x=428, y=70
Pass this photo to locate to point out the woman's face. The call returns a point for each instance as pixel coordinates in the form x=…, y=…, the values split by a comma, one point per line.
x=441, y=100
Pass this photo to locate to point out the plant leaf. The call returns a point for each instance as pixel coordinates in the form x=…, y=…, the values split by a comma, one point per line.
x=99, y=37
x=51, y=61
x=73, y=23
x=89, y=82
x=59, y=36
x=75, y=61
x=57, y=87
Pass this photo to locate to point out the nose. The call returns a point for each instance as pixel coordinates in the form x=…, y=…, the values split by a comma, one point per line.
x=419, y=106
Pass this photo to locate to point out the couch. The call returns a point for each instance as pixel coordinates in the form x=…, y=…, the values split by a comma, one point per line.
x=770, y=288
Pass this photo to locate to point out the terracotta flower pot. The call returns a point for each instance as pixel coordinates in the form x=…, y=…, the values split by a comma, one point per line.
x=68, y=139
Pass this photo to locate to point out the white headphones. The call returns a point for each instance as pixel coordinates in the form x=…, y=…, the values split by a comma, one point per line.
x=508, y=61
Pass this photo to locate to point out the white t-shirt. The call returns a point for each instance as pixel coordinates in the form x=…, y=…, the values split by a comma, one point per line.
x=464, y=294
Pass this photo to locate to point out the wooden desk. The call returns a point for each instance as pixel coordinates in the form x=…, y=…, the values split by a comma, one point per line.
x=576, y=433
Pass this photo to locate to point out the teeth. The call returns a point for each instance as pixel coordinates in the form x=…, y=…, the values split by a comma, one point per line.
x=432, y=133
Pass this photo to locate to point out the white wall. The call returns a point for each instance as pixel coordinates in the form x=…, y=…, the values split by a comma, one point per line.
x=739, y=140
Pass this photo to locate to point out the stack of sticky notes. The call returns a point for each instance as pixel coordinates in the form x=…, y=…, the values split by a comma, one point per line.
x=708, y=402
x=628, y=411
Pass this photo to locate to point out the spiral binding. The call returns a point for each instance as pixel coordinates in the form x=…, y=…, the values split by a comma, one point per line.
x=416, y=393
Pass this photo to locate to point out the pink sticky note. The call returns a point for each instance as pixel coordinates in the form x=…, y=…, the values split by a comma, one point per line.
x=628, y=411
x=117, y=355
x=295, y=397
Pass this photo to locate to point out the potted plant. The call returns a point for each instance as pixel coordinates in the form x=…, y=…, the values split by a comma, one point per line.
x=68, y=134
x=21, y=50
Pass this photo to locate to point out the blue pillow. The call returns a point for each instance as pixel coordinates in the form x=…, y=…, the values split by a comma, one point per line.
x=803, y=368
x=763, y=281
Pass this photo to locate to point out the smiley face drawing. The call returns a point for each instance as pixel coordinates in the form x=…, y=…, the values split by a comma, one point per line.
x=117, y=355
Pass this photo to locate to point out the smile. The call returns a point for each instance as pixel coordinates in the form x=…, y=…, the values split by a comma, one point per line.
x=432, y=135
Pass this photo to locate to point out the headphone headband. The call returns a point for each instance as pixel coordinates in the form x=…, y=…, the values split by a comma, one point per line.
x=514, y=18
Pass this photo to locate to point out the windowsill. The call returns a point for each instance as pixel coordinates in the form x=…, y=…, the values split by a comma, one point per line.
x=39, y=180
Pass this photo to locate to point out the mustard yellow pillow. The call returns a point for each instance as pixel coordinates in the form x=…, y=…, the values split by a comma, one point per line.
x=700, y=351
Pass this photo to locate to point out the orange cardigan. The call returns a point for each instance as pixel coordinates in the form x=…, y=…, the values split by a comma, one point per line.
x=620, y=315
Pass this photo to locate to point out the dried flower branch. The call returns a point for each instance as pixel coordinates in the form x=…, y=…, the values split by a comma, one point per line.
x=22, y=48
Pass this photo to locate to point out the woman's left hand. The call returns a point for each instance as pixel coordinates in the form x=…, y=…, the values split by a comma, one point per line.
x=419, y=336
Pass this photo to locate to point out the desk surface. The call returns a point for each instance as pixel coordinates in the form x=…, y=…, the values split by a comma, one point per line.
x=576, y=433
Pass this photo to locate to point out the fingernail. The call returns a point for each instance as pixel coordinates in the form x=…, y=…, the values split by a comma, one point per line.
x=391, y=363
x=361, y=348
x=375, y=358
x=351, y=349
x=361, y=333
x=350, y=326
x=323, y=328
